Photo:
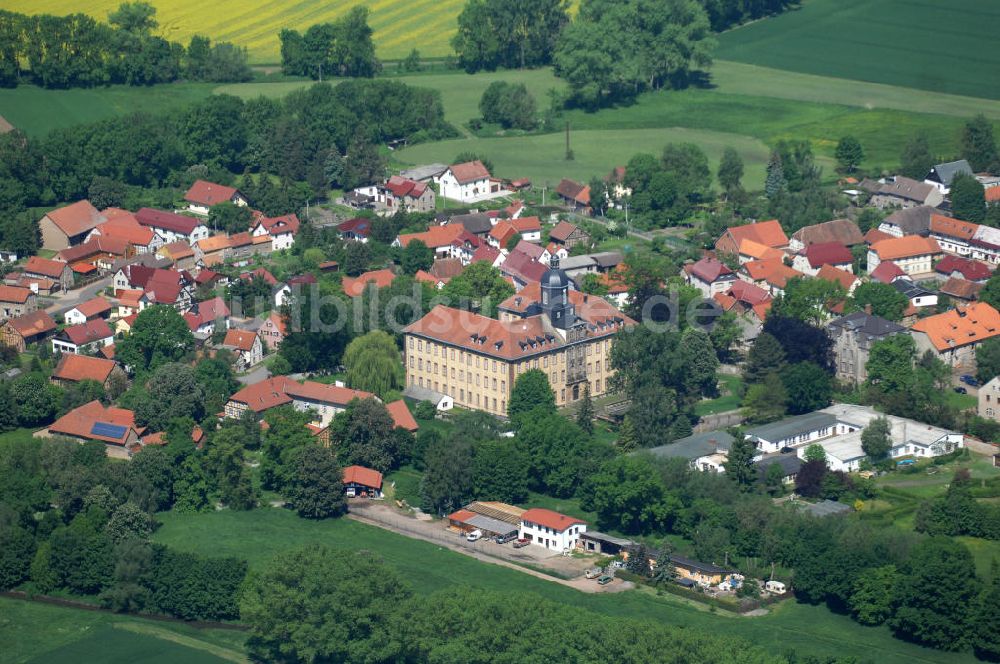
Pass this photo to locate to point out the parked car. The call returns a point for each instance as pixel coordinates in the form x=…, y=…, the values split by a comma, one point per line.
x=593, y=572
x=961, y=390
x=605, y=580
x=969, y=380
x=519, y=543
x=503, y=539
x=775, y=587
x=474, y=536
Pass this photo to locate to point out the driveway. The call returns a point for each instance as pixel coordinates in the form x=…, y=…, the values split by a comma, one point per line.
x=382, y=515
x=255, y=375
x=66, y=301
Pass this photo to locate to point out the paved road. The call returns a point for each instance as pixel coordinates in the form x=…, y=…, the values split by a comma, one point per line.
x=255, y=375
x=66, y=301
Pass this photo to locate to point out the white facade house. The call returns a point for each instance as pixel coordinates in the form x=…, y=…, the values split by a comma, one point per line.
x=800, y=430
x=551, y=530
x=469, y=183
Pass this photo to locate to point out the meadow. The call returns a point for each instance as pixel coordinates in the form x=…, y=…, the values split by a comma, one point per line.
x=260, y=534
x=34, y=632
x=398, y=27
x=940, y=46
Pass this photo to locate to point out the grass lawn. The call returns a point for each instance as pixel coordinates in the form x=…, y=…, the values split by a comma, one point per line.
x=961, y=401
x=729, y=399
x=423, y=24
x=260, y=534
x=878, y=41
x=407, y=485
x=32, y=632
x=37, y=111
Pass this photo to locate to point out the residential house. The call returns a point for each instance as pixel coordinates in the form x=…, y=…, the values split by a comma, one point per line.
x=246, y=346
x=16, y=301
x=295, y=285
x=123, y=326
x=530, y=228
x=356, y=229
x=179, y=253
x=751, y=250
x=281, y=230
x=574, y=195
x=567, y=235
x=699, y=573
x=361, y=482
x=122, y=225
x=272, y=331
x=886, y=273
x=989, y=400
x=910, y=221
x=744, y=297
x=212, y=250
x=75, y=368
x=709, y=275
x=902, y=192
x=469, y=182
x=115, y=427
x=101, y=252
x=130, y=302
x=771, y=275
x=90, y=335
x=161, y=286
x=69, y=225
x=399, y=193
x=58, y=272
x=963, y=268
x=355, y=286
x=917, y=296
x=522, y=269
x=203, y=195
x=207, y=316
x=955, y=335
x=616, y=184
x=324, y=400
x=706, y=451
x=986, y=245
x=24, y=330
x=942, y=175
x=914, y=255
x=853, y=336
x=555, y=531
x=960, y=289
x=451, y=241
x=491, y=518
x=478, y=224
x=553, y=250
x=815, y=256
x=788, y=463
x=767, y=233
x=953, y=236
x=97, y=307
x=172, y=227
x=491, y=255
x=847, y=280
x=844, y=231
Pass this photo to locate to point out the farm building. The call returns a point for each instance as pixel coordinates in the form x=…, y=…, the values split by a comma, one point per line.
x=361, y=482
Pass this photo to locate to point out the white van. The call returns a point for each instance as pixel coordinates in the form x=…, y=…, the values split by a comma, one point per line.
x=474, y=536
x=775, y=587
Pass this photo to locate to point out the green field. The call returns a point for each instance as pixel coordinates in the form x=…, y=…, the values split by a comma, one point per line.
x=941, y=46
x=424, y=24
x=260, y=534
x=33, y=632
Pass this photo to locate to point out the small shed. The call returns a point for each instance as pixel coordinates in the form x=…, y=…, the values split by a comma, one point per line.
x=593, y=541
x=441, y=401
x=362, y=482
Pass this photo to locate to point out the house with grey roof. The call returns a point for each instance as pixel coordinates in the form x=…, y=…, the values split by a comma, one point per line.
x=705, y=451
x=853, y=336
x=425, y=173
x=942, y=175
x=789, y=464
x=795, y=431
x=476, y=223
x=902, y=192
x=909, y=221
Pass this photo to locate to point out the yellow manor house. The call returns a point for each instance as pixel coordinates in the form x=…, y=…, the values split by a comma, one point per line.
x=475, y=360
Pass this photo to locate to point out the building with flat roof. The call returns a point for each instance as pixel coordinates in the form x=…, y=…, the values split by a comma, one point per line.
x=792, y=431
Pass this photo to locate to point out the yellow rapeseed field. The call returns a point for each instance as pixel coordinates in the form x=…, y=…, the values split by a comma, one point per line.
x=399, y=26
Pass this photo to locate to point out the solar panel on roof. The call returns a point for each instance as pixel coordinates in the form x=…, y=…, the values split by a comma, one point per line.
x=108, y=430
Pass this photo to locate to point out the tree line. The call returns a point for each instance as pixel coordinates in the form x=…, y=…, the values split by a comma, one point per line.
x=341, y=48
x=78, y=51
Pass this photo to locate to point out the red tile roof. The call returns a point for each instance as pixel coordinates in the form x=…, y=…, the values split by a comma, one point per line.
x=524, y=267
x=93, y=307
x=288, y=223
x=828, y=253
x=125, y=227
x=209, y=193
x=44, y=267
x=992, y=194
x=89, y=332
x=574, y=191
x=970, y=269
x=262, y=273
x=435, y=236
x=470, y=171
x=887, y=272
x=240, y=339
x=960, y=326
x=401, y=416
x=955, y=228
x=356, y=286
x=554, y=520
x=176, y=223
x=708, y=269
x=768, y=233
x=73, y=367
x=907, y=246
x=527, y=224
x=100, y=244
x=77, y=218
x=503, y=232
x=358, y=226
x=80, y=422
x=875, y=235
x=843, y=231
x=561, y=231
x=35, y=323
x=206, y=312
x=14, y=294
x=400, y=187
x=485, y=253
x=842, y=277
x=748, y=293
x=363, y=476
x=280, y=390
x=962, y=289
